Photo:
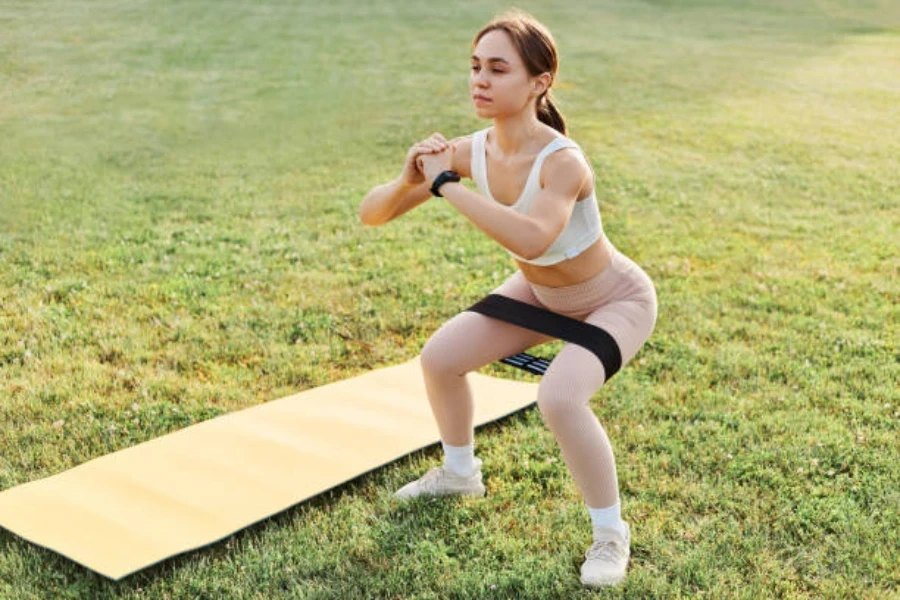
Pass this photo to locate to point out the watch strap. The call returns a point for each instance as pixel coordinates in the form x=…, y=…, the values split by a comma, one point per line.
x=444, y=177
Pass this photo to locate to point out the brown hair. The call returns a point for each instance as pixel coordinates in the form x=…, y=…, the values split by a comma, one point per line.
x=537, y=48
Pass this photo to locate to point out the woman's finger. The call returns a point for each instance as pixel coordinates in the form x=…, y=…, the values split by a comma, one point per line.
x=429, y=146
x=436, y=143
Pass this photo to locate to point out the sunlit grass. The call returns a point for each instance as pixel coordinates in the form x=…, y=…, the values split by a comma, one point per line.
x=179, y=185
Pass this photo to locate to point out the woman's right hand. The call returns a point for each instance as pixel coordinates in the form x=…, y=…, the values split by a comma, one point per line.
x=412, y=175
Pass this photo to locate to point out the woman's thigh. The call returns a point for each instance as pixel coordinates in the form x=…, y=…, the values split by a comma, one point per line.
x=629, y=322
x=471, y=340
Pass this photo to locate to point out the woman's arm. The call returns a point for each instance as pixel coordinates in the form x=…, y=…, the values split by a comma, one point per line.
x=528, y=235
x=390, y=200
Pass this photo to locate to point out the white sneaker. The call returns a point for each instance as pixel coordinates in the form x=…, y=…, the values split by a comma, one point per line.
x=441, y=481
x=607, y=558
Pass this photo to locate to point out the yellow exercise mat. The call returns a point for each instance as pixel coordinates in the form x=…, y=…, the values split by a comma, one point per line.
x=125, y=511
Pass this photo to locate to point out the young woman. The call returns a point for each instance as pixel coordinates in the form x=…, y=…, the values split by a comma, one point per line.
x=535, y=198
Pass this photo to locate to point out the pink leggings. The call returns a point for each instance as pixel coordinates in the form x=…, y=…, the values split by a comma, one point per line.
x=621, y=300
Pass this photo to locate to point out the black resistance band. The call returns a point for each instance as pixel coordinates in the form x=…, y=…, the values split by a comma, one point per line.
x=525, y=315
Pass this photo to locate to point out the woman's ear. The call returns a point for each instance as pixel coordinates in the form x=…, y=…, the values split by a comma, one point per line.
x=541, y=83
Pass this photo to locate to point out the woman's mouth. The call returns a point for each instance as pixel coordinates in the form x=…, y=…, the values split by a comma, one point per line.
x=480, y=99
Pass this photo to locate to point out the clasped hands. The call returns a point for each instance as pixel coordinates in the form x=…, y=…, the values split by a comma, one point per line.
x=433, y=156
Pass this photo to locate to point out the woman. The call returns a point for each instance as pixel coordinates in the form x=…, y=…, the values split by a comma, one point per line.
x=536, y=198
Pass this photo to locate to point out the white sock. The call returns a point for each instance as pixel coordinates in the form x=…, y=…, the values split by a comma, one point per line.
x=460, y=459
x=610, y=516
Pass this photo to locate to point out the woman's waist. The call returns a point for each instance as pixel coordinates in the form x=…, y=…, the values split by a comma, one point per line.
x=587, y=265
x=620, y=279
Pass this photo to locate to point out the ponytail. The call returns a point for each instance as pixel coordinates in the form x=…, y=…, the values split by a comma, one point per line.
x=549, y=114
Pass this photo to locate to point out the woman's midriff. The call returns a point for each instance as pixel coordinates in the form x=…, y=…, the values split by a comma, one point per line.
x=586, y=265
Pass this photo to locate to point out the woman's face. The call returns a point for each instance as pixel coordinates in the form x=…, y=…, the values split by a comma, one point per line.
x=499, y=83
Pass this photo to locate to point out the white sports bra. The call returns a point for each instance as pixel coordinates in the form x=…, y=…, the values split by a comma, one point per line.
x=584, y=226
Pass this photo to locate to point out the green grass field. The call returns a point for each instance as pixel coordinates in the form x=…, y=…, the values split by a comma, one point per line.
x=179, y=185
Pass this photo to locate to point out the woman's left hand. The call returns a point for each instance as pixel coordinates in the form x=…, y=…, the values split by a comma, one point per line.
x=432, y=165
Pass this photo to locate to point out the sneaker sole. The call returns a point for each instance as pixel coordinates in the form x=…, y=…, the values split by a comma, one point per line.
x=603, y=582
x=474, y=494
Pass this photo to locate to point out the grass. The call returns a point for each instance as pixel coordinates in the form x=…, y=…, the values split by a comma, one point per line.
x=178, y=239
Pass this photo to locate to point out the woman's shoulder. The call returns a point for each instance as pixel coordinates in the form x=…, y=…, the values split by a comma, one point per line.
x=462, y=155
x=468, y=138
x=567, y=161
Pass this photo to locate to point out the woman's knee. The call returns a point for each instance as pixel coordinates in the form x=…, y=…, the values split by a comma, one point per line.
x=559, y=402
x=570, y=382
x=438, y=360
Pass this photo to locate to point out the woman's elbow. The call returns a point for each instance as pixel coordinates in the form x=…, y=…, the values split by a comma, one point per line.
x=534, y=248
x=367, y=216
x=364, y=216
x=529, y=253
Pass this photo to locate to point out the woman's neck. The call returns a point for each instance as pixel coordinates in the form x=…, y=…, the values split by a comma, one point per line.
x=516, y=135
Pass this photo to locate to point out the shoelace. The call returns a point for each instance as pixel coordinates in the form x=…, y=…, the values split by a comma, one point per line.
x=607, y=550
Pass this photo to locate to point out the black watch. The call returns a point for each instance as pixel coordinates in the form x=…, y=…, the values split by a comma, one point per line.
x=441, y=179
